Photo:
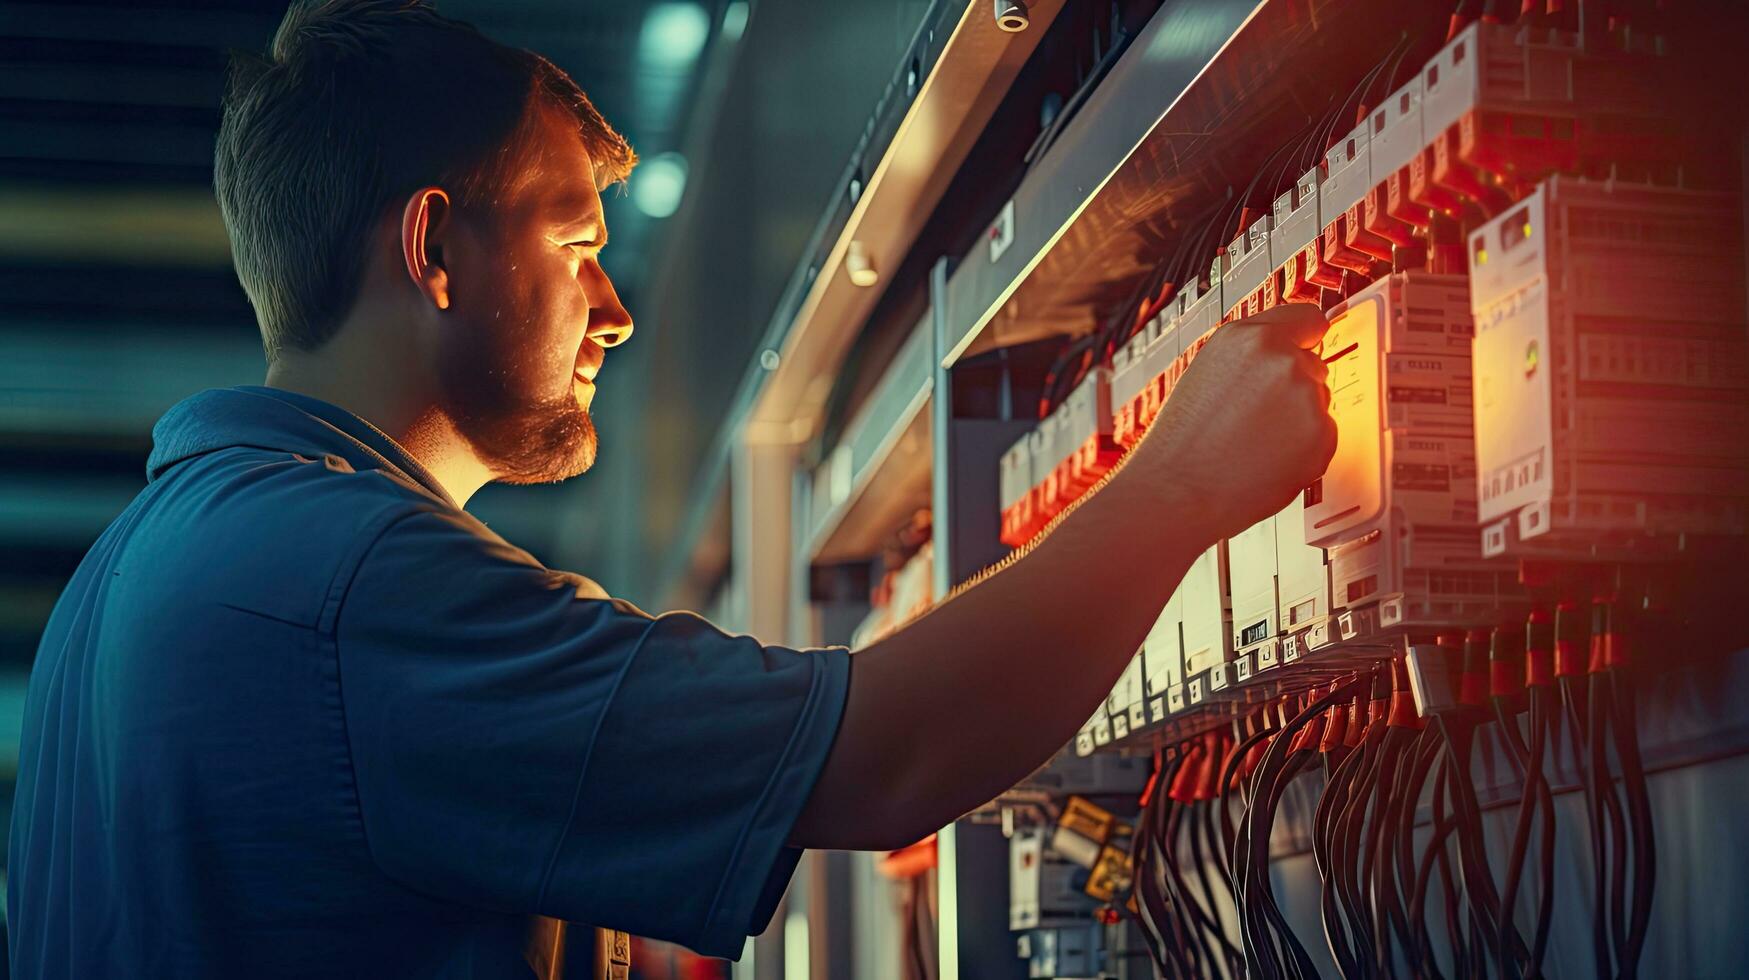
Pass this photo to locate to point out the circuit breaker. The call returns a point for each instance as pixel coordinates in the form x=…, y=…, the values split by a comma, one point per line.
x=1612, y=370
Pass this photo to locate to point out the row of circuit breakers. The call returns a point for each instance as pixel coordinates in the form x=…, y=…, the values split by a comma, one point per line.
x=1538, y=352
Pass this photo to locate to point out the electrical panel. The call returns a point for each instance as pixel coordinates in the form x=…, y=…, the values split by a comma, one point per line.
x=1527, y=233
x=1537, y=353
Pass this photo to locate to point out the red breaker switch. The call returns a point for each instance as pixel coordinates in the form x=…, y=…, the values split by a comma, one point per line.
x=1400, y=205
x=1482, y=188
x=1425, y=192
x=1384, y=226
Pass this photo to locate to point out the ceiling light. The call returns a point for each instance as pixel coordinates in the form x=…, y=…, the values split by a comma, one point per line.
x=673, y=35
x=658, y=184
x=735, y=20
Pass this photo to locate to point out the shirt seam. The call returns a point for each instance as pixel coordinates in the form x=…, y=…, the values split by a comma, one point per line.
x=803, y=722
x=583, y=766
x=328, y=634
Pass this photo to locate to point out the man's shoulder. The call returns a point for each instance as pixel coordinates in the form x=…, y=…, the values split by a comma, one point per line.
x=260, y=530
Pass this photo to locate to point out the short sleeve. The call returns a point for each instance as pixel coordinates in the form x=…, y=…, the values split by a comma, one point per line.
x=518, y=741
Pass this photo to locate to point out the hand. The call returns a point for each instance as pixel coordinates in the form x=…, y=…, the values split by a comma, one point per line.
x=1248, y=425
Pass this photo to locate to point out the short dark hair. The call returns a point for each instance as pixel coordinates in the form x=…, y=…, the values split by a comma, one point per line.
x=357, y=104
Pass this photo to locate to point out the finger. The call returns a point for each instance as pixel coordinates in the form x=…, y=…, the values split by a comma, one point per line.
x=1301, y=324
x=1313, y=365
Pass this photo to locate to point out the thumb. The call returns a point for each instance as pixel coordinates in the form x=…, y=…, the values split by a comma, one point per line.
x=1302, y=324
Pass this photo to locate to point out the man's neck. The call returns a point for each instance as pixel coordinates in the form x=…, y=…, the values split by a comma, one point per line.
x=387, y=400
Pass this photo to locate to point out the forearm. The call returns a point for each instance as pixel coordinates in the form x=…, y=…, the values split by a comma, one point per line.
x=955, y=708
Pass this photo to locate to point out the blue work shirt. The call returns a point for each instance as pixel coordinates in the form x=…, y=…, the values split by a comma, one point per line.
x=298, y=715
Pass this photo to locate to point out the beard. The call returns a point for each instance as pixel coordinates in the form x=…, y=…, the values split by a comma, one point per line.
x=523, y=435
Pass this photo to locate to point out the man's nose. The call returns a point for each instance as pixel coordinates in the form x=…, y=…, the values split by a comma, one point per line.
x=609, y=323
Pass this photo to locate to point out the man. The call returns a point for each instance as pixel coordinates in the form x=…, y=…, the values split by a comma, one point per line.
x=299, y=715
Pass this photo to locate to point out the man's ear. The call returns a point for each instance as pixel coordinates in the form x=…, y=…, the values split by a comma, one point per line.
x=425, y=223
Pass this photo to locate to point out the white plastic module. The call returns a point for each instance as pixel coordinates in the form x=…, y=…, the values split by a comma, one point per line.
x=1295, y=223
x=1095, y=734
x=1129, y=368
x=1612, y=370
x=1396, y=136
x=1163, y=656
x=1302, y=577
x=1249, y=264
x=1016, y=476
x=1205, y=615
x=1347, y=176
x=1251, y=571
x=1125, y=705
x=1086, y=413
x=1040, y=450
x=1201, y=316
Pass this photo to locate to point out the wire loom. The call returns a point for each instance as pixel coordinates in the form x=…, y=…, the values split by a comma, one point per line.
x=1203, y=898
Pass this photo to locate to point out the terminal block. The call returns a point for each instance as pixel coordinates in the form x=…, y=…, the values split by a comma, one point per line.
x=1294, y=239
x=1084, y=433
x=1125, y=705
x=1394, y=141
x=1205, y=620
x=1163, y=659
x=1064, y=456
x=1129, y=376
x=1504, y=106
x=1019, y=516
x=1249, y=271
x=1612, y=371
x=1347, y=178
x=1279, y=584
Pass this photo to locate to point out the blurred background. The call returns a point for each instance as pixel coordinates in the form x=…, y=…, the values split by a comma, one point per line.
x=117, y=297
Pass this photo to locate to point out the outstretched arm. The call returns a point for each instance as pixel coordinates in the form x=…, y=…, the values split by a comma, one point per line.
x=953, y=709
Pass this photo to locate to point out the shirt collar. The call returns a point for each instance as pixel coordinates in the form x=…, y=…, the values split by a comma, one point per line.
x=273, y=418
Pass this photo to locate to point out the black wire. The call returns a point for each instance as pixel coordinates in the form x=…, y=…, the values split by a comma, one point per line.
x=1213, y=846
x=1279, y=766
x=1140, y=869
x=1497, y=930
x=1335, y=932
x=1169, y=951
x=1427, y=751
x=1461, y=954
x=1353, y=826
x=1041, y=145
x=1217, y=937
x=1597, y=724
x=1444, y=824
x=1640, y=810
x=1536, y=796
x=1377, y=803
x=1593, y=811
